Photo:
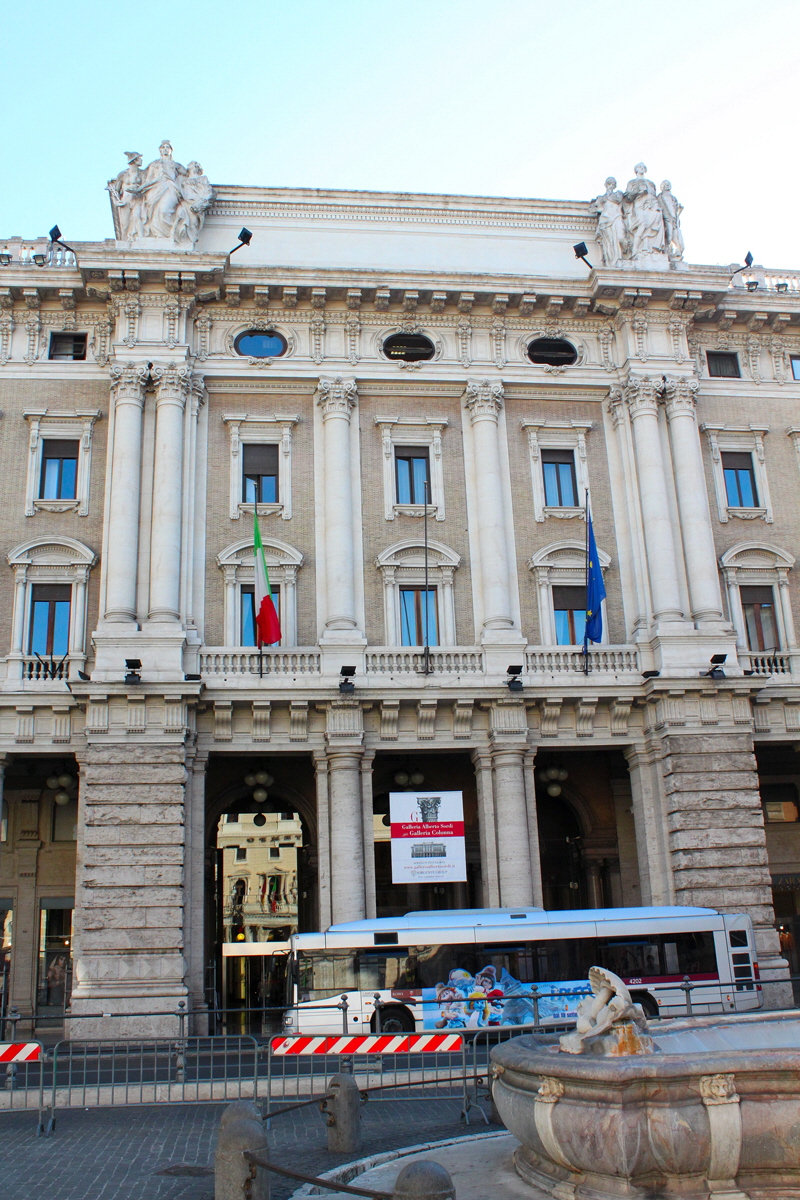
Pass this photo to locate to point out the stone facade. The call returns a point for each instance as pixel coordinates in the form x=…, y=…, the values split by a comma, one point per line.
x=662, y=752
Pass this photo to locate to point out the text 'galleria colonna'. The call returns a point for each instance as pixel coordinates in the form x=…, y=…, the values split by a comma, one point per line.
x=415, y=393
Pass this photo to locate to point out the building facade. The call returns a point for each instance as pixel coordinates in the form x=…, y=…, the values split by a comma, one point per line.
x=417, y=392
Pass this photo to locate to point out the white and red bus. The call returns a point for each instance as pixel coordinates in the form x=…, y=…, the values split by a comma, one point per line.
x=475, y=968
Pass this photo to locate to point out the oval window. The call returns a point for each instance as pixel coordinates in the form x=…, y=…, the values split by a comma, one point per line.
x=410, y=347
x=260, y=343
x=554, y=352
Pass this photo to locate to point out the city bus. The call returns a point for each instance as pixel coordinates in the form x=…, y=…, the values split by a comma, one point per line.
x=475, y=968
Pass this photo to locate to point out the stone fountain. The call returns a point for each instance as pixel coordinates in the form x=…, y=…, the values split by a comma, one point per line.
x=700, y=1107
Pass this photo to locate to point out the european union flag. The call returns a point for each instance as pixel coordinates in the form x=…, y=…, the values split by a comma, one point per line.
x=595, y=588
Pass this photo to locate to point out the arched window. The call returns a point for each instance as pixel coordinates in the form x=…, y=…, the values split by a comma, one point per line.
x=48, y=626
x=407, y=604
x=237, y=564
x=560, y=572
x=756, y=578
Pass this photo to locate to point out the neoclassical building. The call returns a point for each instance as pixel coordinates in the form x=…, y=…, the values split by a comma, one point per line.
x=416, y=392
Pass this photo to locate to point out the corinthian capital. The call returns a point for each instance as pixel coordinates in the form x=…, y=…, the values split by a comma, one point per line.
x=484, y=398
x=642, y=394
x=128, y=383
x=336, y=397
x=680, y=394
x=172, y=383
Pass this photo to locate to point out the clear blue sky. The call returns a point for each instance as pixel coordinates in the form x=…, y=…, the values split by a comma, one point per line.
x=490, y=97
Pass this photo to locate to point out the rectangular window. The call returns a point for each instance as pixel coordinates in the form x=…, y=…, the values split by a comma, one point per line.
x=795, y=360
x=55, y=959
x=274, y=852
x=49, y=633
x=65, y=822
x=723, y=365
x=740, y=480
x=759, y=616
x=248, y=602
x=241, y=853
x=558, y=469
x=569, y=606
x=260, y=473
x=59, y=470
x=418, y=617
x=412, y=473
x=68, y=347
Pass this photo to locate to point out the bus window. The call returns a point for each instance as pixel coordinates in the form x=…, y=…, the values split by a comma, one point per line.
x=325, y=975
x=690, y=954
x=631, y=959
x=391, y=968
x=563, y=961
x=516, y=960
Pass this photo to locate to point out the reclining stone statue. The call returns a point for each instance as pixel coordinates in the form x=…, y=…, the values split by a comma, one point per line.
x=609, y=1023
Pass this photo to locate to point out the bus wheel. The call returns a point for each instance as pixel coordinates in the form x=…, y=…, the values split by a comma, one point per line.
x=648, y=1004
x=394, y=1020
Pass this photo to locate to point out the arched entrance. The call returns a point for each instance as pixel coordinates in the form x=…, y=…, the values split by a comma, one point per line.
x=261, y=881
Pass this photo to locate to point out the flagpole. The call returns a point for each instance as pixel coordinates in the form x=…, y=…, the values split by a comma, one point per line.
x=585, y=634
x=427, y=654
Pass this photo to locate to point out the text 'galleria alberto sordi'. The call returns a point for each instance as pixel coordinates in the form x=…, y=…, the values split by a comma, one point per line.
x=415, y=394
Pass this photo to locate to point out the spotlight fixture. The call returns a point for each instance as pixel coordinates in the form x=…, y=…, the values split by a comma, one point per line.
x=86, y=678
x=581, y=250
x=192, y=677
x=346, y=685
x=716, y=671
x=55, y=239
x=514, y=683
x=5, y=258
x=779, y=287
x=245, y=237
x=752, y=285
x=650, y=674
x=39, y=258
x=748, y=262
x=134, y=667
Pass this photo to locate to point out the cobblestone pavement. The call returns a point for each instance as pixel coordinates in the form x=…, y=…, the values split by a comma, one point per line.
x=120, y=1153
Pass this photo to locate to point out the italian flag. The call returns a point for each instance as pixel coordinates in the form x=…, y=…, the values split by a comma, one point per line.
x=267, y=623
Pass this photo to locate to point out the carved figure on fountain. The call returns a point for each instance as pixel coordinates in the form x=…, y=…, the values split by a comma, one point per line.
x=165, y=201
x=609, y=1023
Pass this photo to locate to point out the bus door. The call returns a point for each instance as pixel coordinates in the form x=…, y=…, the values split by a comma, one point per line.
x=256, y=985
x=740, y=952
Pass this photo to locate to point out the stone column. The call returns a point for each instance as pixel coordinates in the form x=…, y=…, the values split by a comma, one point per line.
x=642, y=399
x=122, y=551
x=165, y=537
x=369, y=835
x=323, y=839
x=595, y=887
x=336, y=398
x=533, y=828
x=490, y=885
x=785, y=602
x=649, y=822
x=484, y=401
x=194, y=910
x=26, y=847
x=511, y=815
x=347, y=837
x=130, y=889
x=690, y=485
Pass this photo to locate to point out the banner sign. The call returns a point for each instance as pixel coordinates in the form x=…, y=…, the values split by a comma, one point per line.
x=427, y=837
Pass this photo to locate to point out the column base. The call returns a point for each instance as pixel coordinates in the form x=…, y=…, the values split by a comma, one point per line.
x=159, y=648
x=125, y=1015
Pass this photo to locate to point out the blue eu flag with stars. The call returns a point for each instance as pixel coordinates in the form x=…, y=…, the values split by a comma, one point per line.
x=595, y=588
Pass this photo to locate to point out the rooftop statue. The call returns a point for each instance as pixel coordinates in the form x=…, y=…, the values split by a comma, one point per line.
x=639, y=227
x=165, y=200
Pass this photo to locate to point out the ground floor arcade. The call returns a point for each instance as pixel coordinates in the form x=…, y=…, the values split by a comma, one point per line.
x=127, y=865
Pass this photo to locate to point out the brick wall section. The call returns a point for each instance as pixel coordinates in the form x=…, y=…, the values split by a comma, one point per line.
x=130, y=872
x=716, y=826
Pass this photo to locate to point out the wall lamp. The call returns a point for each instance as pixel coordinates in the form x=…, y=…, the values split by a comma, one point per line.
x=245, y=237
x=346, y=685
x=716, y=671
x=514, y=683
x=134, y=666
x=748, y=262
x=581, y=250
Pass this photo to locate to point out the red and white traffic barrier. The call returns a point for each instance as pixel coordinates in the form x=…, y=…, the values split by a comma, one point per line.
x=377, y=1043
x=19, y=1052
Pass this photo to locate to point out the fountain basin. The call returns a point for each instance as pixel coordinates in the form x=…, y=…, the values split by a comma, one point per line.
x=719, y=1115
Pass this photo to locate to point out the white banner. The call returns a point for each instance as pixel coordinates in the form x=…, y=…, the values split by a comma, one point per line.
x=427, y=837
